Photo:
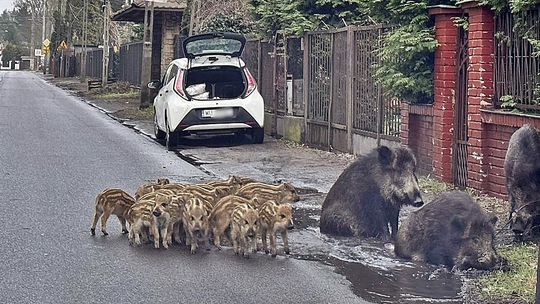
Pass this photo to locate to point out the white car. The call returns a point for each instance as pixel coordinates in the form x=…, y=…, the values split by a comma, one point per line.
x=211, y=91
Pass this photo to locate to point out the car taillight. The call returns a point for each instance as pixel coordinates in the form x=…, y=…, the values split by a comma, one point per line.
x=251, y=83
x=179, y=85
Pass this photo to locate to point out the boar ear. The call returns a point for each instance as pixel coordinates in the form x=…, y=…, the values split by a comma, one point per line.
x=385, y=155
x=458, y=224
x=493, y=219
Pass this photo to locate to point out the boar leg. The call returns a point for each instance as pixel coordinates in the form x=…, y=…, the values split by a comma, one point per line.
x=273, y=244
x=176, y=232
x=194, y=243
x=285, y=238
x=234, y=239
x=155, y=233
x=164, y=233
x=217, y=240
x=104, y=219
x=97, y=215
x=123, y=222
x=264, y=242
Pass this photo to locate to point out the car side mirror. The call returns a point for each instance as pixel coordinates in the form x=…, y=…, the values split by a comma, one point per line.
x=155, y=85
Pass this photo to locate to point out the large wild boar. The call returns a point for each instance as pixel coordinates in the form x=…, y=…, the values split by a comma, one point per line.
x=522, y=169
x=368, y=195
x=452, y=230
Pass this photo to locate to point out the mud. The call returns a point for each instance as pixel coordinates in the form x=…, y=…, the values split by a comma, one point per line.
x=375, y=273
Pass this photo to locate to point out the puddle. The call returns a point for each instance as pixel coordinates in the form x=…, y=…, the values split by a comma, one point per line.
x=375, y=273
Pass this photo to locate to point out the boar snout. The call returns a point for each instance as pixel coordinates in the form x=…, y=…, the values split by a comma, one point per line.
x=290, y=225
x=416, y=199
x=156, y=213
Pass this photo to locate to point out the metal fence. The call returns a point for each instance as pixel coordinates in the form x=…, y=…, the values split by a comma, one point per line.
x=130, y=63
x=94, y=62
x=343, y=97
x=516, y=66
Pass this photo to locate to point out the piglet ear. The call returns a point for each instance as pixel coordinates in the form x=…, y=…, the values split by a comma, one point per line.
x=385, y=155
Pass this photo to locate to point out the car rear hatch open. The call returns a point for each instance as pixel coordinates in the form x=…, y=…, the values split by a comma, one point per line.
x=214, y=44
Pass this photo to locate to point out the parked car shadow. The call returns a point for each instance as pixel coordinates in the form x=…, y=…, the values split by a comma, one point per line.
x=213, y=141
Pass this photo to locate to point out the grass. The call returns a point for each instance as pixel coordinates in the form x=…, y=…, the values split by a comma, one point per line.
x=431, y=185
x=112, y=96
x=519, y=282
x=136, y=114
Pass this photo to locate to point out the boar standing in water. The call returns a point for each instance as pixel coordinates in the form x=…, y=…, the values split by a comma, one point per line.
x=368, y=195
x=522, y=169
x=452, y=230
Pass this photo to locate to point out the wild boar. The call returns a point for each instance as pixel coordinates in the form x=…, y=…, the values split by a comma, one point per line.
x=522, y=169
x=244, y=227
x=111, y=201
x=274, y=219
x=368, y=195
x=196, y=224
x=452, y=230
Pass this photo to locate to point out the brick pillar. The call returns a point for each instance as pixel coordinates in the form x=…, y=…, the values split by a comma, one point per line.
x=480, y=87
x=445, y=75
x=171, y=29
x=404, y=134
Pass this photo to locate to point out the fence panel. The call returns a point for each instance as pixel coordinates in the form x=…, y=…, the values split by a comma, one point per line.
x=339, y=81
x=516, y=67
x=295, y=77
x=129, y=68
x=251, y=57
x=266, y=83
x=319, y=50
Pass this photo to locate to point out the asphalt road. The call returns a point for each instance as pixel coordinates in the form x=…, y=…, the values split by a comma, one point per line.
x=56, y=154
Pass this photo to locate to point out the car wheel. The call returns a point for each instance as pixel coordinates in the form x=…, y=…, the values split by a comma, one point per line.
x=257, y=135
x=157, y=132
x=171, y=139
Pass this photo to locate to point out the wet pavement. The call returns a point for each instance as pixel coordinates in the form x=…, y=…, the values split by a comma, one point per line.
x=373, y=271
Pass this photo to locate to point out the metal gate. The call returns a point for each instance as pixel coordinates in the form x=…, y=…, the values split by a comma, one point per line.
x=459, y=155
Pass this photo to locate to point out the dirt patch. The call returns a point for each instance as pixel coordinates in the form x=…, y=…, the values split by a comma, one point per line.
x=119, y=99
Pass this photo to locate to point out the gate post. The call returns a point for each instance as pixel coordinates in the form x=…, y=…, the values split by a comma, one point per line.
x=350, y=78
x=480, y=86
x=446, y=54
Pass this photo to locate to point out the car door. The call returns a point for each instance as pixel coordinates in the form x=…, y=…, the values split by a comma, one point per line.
x=161, y=99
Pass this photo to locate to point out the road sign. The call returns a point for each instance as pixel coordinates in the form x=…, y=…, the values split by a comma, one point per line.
x=37, y=53
x=46, y=42
x=63, y=45
x=46, y=50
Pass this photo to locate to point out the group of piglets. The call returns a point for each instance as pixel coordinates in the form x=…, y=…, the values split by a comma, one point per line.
x=452, y=229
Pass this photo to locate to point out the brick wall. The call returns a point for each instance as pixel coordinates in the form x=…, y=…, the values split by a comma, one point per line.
x=418, y=134
x=499, y=127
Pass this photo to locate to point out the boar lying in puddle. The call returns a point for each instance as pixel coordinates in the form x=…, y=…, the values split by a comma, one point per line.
x=452, y=230
x=522, y=169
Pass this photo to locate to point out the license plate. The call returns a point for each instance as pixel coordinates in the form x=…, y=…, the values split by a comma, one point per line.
x=217, y=113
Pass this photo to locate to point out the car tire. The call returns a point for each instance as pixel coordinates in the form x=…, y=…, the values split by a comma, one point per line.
x=160, y=135
x=171, y=139
x=257, y=135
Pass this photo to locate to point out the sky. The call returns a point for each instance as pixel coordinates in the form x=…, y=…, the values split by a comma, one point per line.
x=5, y=4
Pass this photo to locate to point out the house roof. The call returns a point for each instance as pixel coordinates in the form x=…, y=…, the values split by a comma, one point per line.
x=135, y=11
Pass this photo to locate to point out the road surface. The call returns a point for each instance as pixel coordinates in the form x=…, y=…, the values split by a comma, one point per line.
x=56, y=154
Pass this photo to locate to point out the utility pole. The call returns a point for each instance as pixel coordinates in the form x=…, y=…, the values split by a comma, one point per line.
x=33, y=38
x=84, y=51
x=105, y=61
x=146, y=74
x=43, y=35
